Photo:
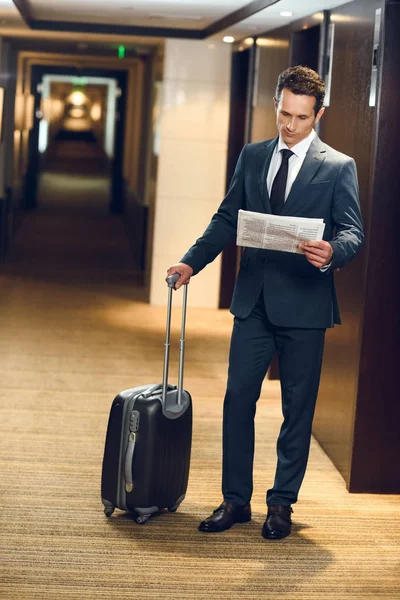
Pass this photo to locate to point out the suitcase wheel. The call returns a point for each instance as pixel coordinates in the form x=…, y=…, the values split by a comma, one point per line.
x=108, y=511
x=142, y=519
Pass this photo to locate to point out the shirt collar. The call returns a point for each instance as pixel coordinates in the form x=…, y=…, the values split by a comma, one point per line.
x=300, y=149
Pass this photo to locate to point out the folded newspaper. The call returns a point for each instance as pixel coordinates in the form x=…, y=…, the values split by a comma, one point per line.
x=273, y=232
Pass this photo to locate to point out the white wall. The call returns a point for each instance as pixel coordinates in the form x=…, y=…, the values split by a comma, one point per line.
x=192, y=160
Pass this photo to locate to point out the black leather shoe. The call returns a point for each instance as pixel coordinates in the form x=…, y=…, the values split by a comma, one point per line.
x=225, y=516
x=278, y=523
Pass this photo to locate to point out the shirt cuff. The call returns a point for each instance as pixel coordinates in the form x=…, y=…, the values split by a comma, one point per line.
x=325, y=268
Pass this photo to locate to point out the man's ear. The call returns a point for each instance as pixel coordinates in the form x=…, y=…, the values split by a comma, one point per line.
x=319, y=114
x=275, y=103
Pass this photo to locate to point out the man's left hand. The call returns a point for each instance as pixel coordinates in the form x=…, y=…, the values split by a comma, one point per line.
x=318, y=254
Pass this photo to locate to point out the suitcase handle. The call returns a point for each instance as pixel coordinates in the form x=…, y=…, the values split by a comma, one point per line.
x=171, y=280
x=154, y=388
x=128, y=462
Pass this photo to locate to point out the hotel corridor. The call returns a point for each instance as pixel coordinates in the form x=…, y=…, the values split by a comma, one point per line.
x=75, y=330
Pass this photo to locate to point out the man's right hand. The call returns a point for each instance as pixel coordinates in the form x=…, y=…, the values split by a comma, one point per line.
x=184, y=271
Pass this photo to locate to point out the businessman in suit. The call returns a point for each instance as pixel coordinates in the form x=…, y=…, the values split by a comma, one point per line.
x=282, y=302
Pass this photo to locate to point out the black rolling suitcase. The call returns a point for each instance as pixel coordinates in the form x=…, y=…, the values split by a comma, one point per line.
x=147, y=450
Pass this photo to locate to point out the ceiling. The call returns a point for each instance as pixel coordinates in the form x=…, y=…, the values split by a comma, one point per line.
x=60, y=20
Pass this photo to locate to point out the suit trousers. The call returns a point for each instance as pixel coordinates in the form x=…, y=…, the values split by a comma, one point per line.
x=254, y=342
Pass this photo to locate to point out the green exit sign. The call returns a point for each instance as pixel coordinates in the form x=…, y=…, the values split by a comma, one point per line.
x=121, y=51
x=79, y=81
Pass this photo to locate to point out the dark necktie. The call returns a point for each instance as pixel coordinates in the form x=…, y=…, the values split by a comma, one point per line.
x=279, y=185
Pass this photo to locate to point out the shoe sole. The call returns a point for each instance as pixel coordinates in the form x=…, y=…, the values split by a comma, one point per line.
x=274, y=535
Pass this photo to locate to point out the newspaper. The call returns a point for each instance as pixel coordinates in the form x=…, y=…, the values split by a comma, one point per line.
x=273, y=232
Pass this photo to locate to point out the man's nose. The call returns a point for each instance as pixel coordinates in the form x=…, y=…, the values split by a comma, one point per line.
x=291, y=125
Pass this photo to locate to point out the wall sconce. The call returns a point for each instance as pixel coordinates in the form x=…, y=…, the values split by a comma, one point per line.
x=95, y=112
x=19, y=112
x=23, y=115
x=29, y=108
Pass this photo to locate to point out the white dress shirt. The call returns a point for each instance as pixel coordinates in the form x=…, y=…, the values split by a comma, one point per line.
x=295, y=162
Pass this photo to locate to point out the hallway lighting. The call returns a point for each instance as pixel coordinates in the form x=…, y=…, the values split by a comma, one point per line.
x=272, y=43
x=95, y=112
x=77, y=98
x=53, y=108
x=228, y=39
x=286, y=13
x=76, y=113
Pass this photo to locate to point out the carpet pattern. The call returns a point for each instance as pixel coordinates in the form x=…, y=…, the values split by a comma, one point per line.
x=74, y=331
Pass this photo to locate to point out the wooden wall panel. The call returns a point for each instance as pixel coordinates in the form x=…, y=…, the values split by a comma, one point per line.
x=348, y=126
x=236, y=140
x=358, y=409
x=274, y=56
x=271, y=60
x=375, y=464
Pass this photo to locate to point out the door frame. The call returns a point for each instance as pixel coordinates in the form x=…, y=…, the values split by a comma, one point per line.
x=131, y=159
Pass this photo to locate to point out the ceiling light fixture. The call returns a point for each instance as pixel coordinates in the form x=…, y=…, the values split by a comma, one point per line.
x=228, y=39
x=272, y=43
x=77, y=98
x=286, y=13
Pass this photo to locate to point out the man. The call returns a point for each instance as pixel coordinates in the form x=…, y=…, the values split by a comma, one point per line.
x=282, y=301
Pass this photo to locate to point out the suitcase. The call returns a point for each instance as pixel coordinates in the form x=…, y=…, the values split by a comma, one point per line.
x=148, y=442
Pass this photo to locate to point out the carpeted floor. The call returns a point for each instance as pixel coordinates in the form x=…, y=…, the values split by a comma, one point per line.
x=74, y=331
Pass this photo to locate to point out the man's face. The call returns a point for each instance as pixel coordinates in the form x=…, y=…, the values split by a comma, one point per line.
x=295, y=116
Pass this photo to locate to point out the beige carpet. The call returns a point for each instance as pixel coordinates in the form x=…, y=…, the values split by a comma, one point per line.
x=74, y=331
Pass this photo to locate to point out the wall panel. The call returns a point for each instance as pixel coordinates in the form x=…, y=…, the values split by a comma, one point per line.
x=192, y=161
x=358, y=408
x=375, y=464
x=348, y=125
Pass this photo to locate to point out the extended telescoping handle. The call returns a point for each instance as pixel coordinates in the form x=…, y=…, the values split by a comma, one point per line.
x=171, y=280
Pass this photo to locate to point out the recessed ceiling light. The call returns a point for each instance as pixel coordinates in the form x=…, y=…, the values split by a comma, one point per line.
x=286, y=13
x=228, y=39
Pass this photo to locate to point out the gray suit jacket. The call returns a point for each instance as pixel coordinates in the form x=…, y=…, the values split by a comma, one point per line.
x=296, y=293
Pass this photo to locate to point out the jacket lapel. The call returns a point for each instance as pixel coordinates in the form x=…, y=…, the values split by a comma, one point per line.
x=263, y=161
x=312, y=162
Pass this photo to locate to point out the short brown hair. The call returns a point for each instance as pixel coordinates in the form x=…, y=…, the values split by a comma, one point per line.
x=302, y=81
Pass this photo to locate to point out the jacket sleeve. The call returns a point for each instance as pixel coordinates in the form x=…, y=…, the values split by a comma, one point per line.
x=223, y=225
x=346, y=214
